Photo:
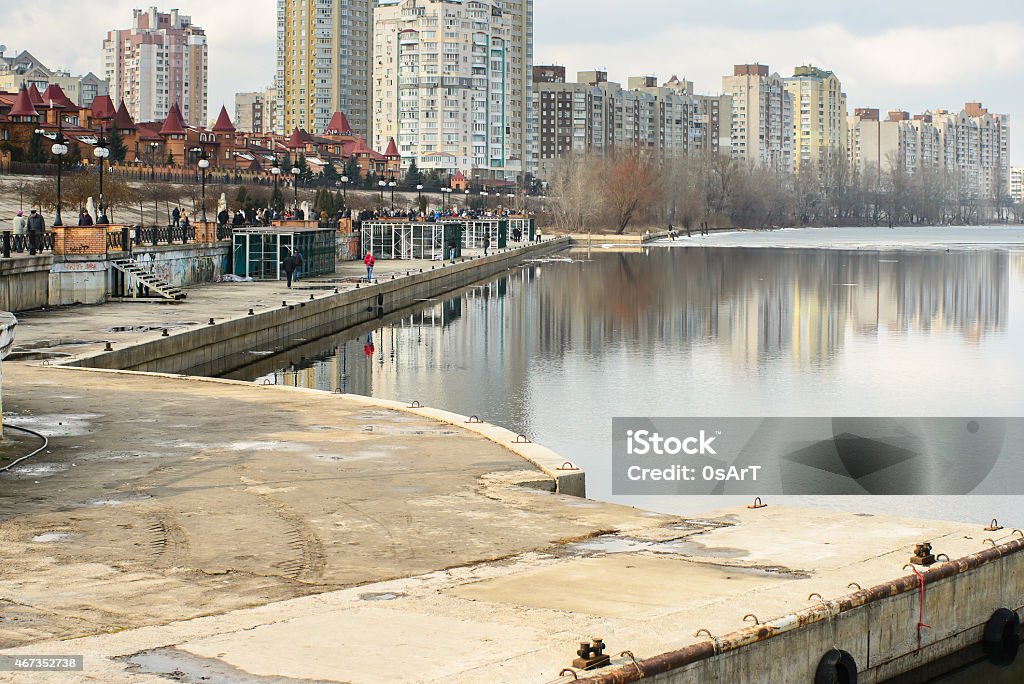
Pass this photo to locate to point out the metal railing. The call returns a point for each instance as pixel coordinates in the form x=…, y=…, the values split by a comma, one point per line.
x=22, y=244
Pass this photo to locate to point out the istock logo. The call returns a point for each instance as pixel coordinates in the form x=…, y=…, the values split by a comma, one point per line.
x=644, y=443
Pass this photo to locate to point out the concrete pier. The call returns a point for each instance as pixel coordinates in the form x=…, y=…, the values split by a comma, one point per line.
x=237, y=532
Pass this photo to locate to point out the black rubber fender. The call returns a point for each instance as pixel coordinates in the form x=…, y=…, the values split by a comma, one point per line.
x=1001, y=640
x=836, y=667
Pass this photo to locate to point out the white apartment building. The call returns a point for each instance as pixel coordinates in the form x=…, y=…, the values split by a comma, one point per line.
x=762, y=117
x=452, y=84
x=973, y=142
x=324, y=62
x=1017, y=185
x=161, y=60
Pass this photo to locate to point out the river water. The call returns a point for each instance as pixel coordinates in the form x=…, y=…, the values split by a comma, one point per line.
x=851, y=322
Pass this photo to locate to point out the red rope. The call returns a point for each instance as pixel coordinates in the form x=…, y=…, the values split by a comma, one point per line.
x=920, y=620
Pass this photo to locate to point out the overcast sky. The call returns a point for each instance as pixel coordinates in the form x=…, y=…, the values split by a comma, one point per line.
x=911, y=55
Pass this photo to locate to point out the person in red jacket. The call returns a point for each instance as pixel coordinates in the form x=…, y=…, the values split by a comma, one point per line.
x=369, y=262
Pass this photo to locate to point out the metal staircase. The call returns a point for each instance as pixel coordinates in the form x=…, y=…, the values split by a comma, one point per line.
x=137, y=284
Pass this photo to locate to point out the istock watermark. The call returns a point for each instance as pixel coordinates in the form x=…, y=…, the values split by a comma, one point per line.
x=818, y=456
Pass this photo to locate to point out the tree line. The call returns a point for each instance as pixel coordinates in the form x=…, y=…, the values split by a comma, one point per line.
x=613, y=193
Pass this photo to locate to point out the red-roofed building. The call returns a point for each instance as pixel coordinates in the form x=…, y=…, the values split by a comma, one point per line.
x=338, y=126
x=102, y=108
x=23, y=110
x=460, y=182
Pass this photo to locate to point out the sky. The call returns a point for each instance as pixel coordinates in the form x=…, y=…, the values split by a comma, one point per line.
x=912, y=55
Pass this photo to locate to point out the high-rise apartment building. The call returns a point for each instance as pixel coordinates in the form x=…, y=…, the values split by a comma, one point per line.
x=1017, y=185
x=974, y=144
x=249, y=112
x=324, y=62
x=762, y=117
x=160, y=61
x=452, y=84
x=819, y=116
x=596, y=116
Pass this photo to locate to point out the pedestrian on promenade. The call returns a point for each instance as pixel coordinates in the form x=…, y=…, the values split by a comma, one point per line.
x=540, y=235
x=671, y=233
x=176, y=217
x=184, y=220
x=487, y=243
x=85, y=218
x=289, y=265
x=299, y=263
x=19, y=224
x=222, y=217
x=369, y=262
x=451, y=249
x=36, y=226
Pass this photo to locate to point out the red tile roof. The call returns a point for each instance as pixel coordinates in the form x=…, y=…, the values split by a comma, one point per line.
x=392, y=151
x=54, y=97
x=34, y=95
x=102, y=107
x=123, y=120
x=174, y=124
x=361, y=147
x=339, y=125
x=23, y=105
x=223, y=124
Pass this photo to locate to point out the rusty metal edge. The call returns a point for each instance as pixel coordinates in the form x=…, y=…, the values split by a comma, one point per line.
x=675, y=660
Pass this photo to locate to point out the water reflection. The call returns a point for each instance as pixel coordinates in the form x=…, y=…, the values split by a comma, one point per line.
x=555, y=350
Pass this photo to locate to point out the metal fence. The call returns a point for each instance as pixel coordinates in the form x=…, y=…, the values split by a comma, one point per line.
x=22, y=244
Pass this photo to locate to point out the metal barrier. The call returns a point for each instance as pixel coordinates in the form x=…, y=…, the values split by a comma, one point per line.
x=22, y=244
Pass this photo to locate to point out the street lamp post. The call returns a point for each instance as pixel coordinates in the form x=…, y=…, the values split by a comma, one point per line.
x=419, y=198
x=295, y=186
x=382, y=184
x=483, y=193
x=101, y=152
x=152, y=160
x=204, y=164
x=344, y=191
x=59, y=149
x=392, y=184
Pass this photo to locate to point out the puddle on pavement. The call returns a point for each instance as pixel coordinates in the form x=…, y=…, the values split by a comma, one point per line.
x=56, y=425
x=680, y=547
x=179, y=666
x=39, y=469
x=53, y=537
x=384, y=596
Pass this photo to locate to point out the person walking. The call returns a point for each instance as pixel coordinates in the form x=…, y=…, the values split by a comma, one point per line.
x=85, y=218
x=176, y=217
x=222, y=217
x=369, y=262
x=299, y=263
x=540, y=235
x=288, y=266
x=487, y=243
x=36, y=226
x=451, y=249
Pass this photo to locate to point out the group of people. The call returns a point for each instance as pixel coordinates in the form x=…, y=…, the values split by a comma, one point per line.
x=703, y=227
x=33, y=227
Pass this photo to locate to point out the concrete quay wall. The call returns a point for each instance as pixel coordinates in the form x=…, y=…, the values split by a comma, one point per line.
x=25, y=283
x=878, y=627
x=220, y=348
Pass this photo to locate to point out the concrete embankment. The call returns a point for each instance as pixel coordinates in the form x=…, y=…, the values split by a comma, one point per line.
x=219, y=348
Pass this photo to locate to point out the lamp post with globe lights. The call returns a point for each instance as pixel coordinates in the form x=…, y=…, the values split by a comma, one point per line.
x=382, y=184
x=295, y=186
x=101, y=152
x=392, y=184
x=59, y=149
x=204, y=164
x=344, y=191
x=419, y=197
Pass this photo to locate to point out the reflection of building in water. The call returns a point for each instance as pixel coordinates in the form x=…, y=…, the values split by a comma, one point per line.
x=751, y=306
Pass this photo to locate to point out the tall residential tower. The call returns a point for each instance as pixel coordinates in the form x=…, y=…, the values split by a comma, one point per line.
x=324, y=61
x=762, y=117
x=819, y=116
x=160, y=61
x=452, y=83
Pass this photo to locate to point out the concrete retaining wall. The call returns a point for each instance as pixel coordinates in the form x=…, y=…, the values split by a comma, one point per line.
x=25, y=283
x=218, y=349
x=880, y=634
x=186, y=265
